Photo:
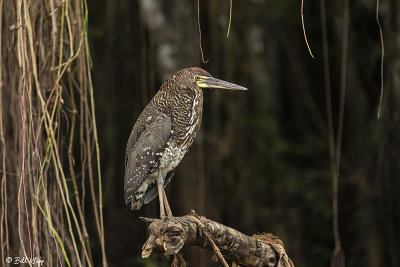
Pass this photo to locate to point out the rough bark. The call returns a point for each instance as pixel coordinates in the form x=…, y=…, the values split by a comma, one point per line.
x=171, y=235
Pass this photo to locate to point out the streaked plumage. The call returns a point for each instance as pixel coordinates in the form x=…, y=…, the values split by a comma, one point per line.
x=164, y=132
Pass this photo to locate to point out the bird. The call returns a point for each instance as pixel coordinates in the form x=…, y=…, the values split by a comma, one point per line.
x=162, y=135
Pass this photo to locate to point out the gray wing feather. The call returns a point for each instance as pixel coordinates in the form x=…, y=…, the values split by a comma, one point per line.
x=149, y=137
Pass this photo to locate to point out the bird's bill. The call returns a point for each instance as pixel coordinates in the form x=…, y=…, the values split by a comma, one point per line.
x=210, y=82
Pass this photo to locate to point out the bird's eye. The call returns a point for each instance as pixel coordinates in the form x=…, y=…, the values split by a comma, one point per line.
x=197, y=78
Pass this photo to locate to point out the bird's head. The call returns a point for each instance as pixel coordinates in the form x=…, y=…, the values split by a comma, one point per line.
x=199, y=78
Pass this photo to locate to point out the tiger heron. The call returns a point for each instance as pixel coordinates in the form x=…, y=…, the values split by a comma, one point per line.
x=163, y=134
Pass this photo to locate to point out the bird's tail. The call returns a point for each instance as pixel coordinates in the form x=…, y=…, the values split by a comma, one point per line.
x=136, y=205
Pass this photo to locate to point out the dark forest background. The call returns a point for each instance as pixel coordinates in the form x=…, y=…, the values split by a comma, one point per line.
x=263, y=161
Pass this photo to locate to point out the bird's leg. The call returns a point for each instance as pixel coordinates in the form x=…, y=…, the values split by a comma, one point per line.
x=160, y=187
x=167, y=207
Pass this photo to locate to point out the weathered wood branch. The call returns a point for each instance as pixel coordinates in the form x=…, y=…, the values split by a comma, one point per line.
x=171, y=235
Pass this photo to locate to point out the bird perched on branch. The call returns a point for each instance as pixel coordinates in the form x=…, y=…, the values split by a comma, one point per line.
x=163, y=134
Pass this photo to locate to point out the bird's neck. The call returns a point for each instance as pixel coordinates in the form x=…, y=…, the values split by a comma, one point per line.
x=185, y=108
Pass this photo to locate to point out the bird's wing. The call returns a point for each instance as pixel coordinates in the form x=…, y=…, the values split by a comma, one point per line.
x=148, y=139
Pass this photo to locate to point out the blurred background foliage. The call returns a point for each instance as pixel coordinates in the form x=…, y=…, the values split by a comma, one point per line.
x=261, y=161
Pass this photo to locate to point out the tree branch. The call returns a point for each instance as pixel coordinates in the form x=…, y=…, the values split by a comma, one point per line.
x=171, y=235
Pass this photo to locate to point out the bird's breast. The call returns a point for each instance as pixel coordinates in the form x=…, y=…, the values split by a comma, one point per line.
x=171, y=157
